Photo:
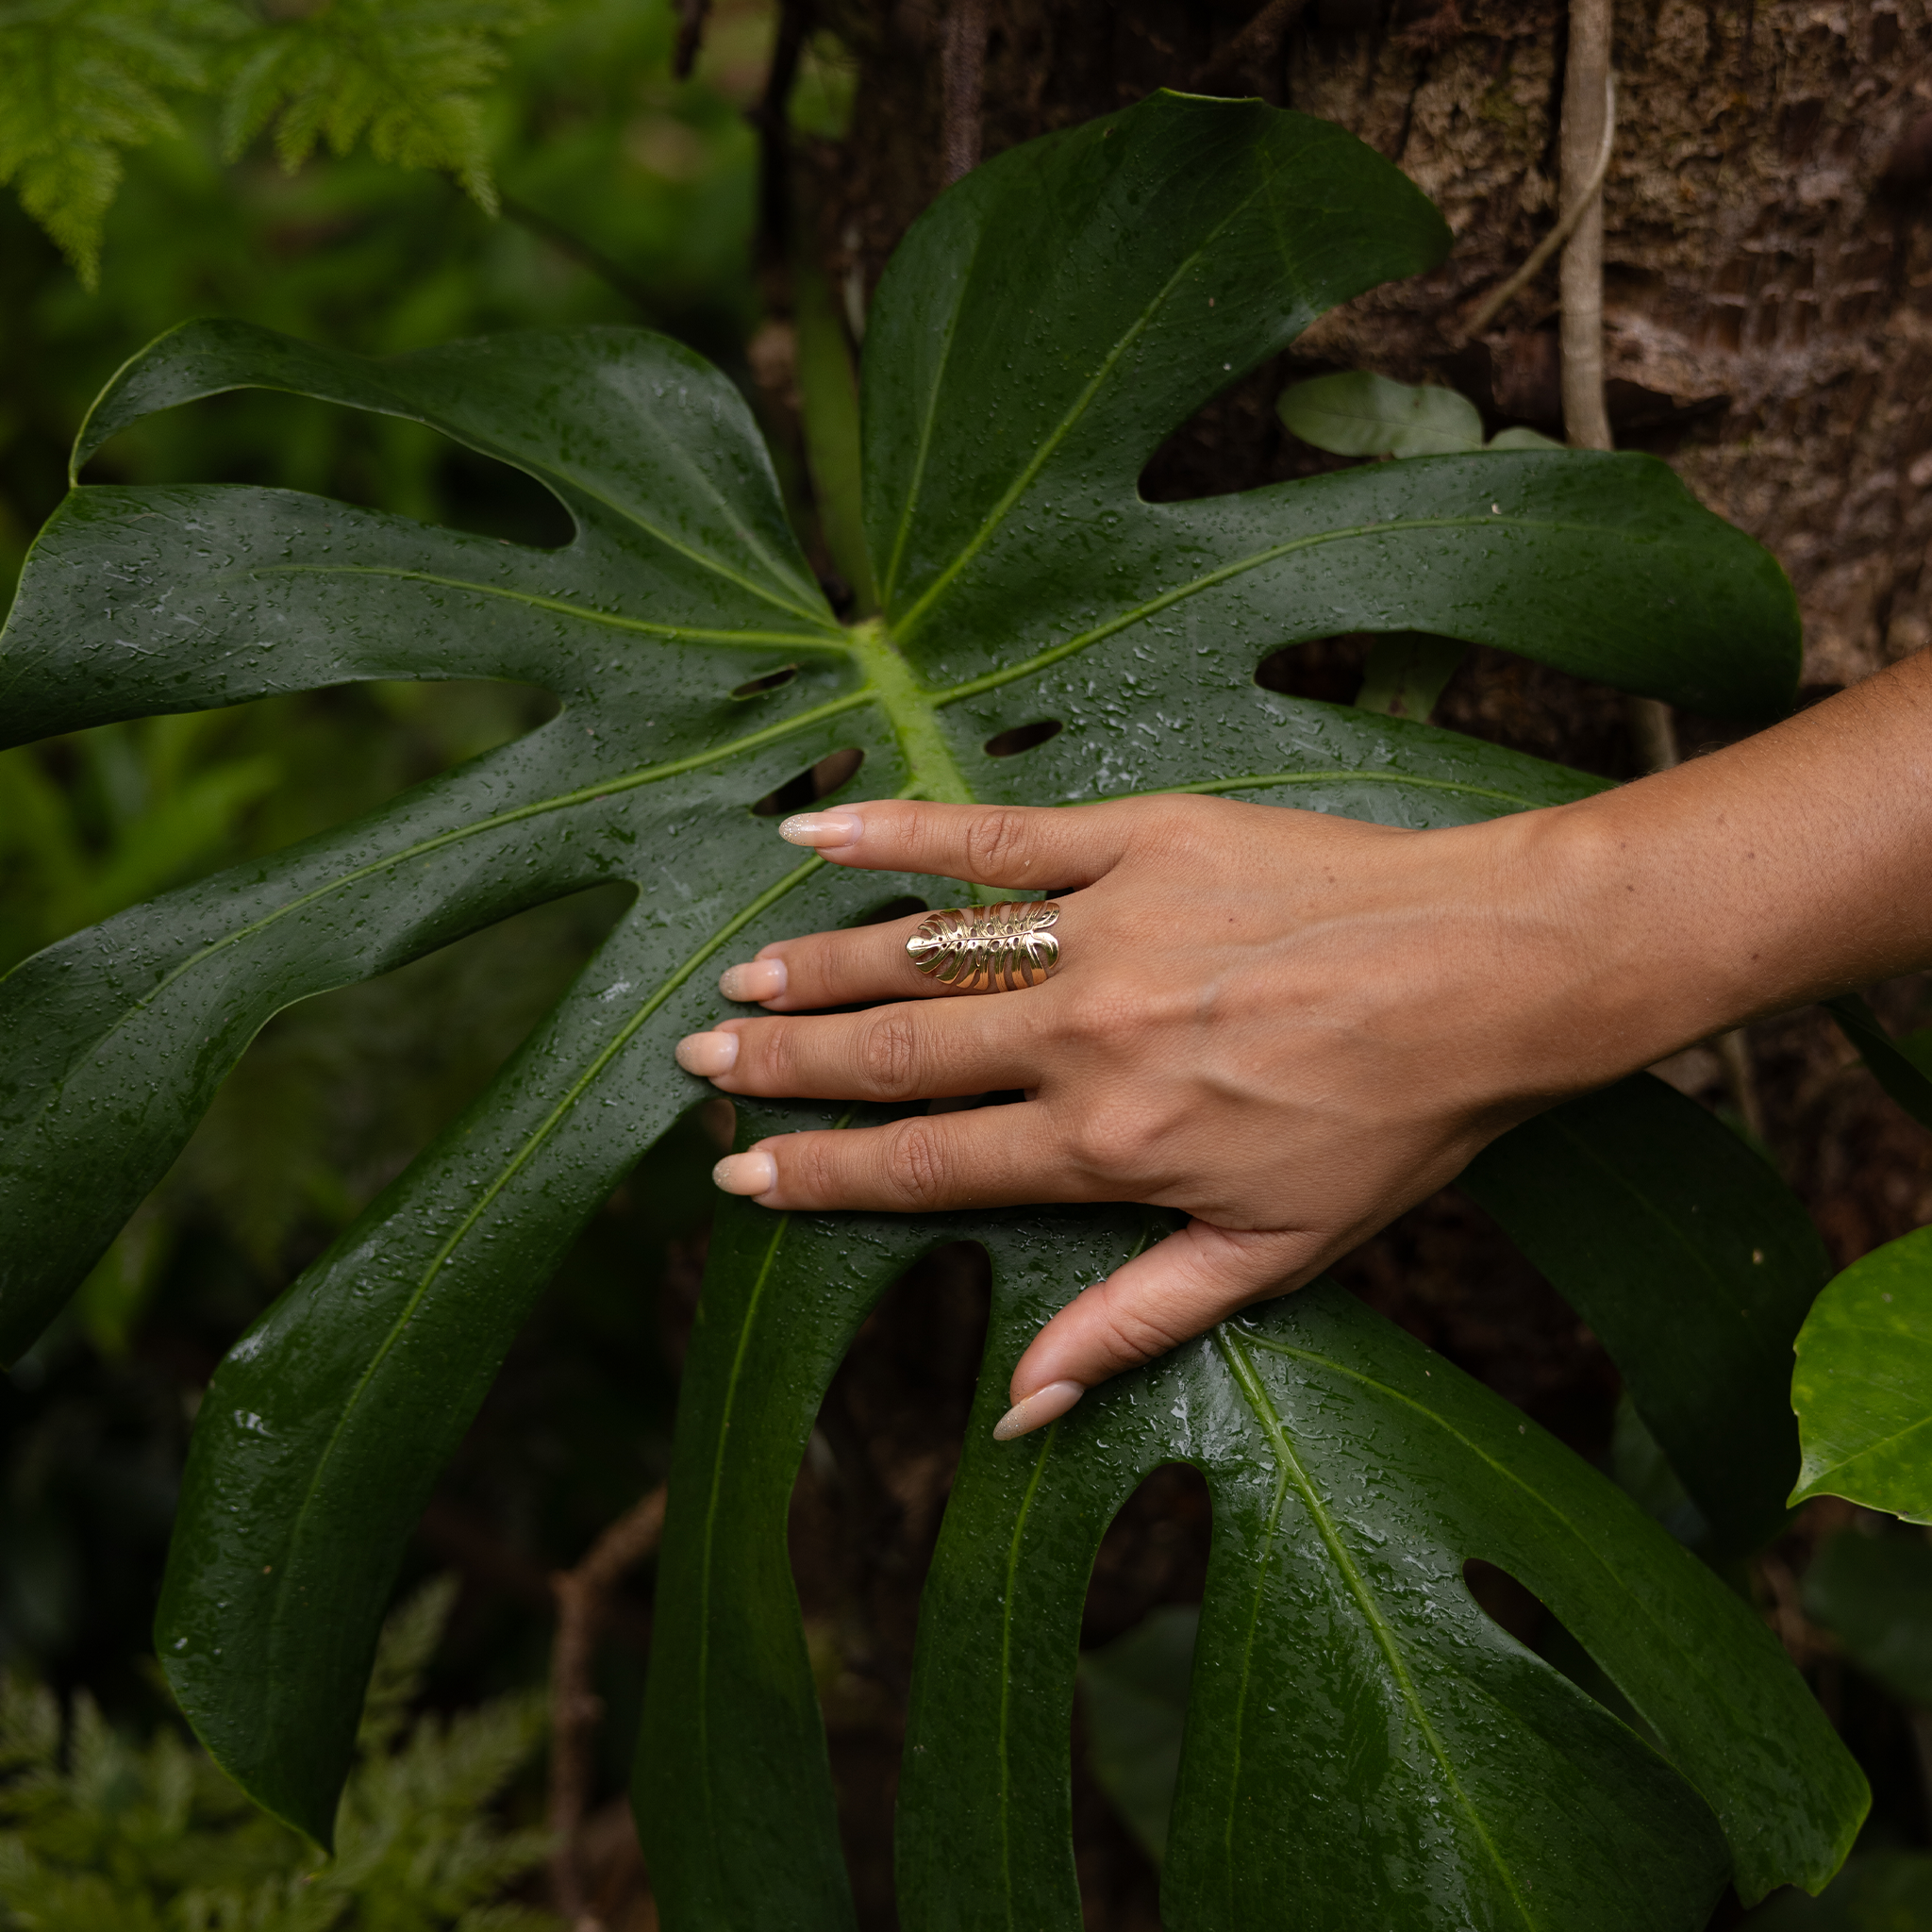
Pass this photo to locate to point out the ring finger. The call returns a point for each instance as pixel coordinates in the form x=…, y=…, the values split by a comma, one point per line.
x=844, y=969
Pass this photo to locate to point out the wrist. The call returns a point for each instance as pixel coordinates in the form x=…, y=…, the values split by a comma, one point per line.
x=1635, y=972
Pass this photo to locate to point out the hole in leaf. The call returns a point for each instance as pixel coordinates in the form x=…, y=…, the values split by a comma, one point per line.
x=816, y=782
x=1007, y=744
x=1329, y=669
x=1137, y=1650
x=339, y=1091
x=771, y=680
x=1505, y=1602
x=865, y=1511
x=1512, y=1606
x=380, y=462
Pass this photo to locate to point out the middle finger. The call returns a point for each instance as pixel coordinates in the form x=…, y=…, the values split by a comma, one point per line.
x=924, y=1050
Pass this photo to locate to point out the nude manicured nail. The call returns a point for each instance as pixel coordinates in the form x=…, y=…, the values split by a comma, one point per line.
x=747, y=1174
x=822, y=828
x=753, y=980
x=708, y=1055
x=1043, y=1406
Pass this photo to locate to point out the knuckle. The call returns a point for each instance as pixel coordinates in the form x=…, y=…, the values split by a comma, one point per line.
x=997, y=838
x=888, y=1055
x=914, y=1170
x=1130, y=1332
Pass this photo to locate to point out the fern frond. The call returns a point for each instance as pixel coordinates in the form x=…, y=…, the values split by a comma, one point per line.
x=407, y=79
x=80, y=82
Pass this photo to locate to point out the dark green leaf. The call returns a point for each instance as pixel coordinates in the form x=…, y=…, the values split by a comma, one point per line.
x=1901, y=1067
x=1357, y=1730
x=1874, y=1593
x=1863, y=1386
x=1693, y=1262
x=1043, y=330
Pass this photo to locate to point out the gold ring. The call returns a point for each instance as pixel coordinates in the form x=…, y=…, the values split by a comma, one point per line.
x=988, y=948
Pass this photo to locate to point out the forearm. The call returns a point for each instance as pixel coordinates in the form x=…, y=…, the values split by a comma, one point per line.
x=1790, y=867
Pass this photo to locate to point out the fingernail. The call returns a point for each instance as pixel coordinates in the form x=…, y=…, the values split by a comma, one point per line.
x=708, y=1054
x=747, y=1174
x=752, y=979
x=1043, y=1406
x=822, y=828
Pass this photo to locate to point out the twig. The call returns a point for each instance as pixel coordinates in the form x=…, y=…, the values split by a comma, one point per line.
x=1589, y=133
x=1500, y=299
x=770, y=117
x=691, y=36
x=963, y=77
x=1586, y=127
x=1260, y=38
x=582, y=1603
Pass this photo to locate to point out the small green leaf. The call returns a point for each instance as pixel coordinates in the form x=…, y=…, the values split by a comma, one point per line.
x=1863, y=1386
x=1874, y=1594
x=1523, y=439
x=1901, y=1067
x=1406, y=673
x=1363, y=415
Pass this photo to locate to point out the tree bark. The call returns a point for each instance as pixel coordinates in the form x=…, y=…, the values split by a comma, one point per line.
x=1768, y=282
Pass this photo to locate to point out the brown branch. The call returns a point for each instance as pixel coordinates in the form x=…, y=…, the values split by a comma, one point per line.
x=771, y=118
x=1261, y=40
x=691, y=36
x=962, y=80
x=582, y=1607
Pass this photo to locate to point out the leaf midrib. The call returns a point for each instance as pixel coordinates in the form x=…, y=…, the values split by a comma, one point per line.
x=1234, y=1352
x=906, y=623
x=532, y=1143
x=1689, y=1662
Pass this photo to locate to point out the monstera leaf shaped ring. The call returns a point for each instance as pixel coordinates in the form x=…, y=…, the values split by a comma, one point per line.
x=988, y=948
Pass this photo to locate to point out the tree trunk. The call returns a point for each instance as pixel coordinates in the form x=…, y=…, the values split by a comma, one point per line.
x=1768, y=280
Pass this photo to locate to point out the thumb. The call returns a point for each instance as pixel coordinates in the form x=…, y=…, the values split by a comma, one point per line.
x=1175, y=1289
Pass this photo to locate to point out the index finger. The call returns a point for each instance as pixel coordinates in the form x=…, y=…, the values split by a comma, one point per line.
x=1055, y=847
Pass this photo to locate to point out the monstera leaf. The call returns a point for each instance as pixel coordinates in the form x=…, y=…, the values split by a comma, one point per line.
x=1363, y=1746
x=1039, y=332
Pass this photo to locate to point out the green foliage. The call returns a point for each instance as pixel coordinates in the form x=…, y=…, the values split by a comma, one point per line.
x=1345, y=1688
x=1364, y=415
x=82, y=81
x=1042, y=331
x=1863, y=1384
x=96, y=1831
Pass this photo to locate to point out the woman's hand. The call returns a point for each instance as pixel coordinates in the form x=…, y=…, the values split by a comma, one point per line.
x=1291, y=1026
